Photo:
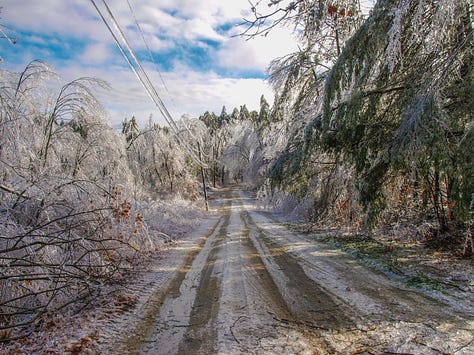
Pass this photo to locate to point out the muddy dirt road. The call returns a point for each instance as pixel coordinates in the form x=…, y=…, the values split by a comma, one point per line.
x=246, y=285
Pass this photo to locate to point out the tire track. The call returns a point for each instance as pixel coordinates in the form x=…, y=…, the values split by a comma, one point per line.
x=158, y=327
x=201, y=334
x=250, y=287
x=253, y=315
x=308, y=302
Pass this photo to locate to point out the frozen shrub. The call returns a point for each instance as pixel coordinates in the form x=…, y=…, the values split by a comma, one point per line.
x=66, y=219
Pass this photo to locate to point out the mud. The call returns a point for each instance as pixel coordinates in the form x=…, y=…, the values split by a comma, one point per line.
x=309, y=303
x=249, y=286
x=201, y=333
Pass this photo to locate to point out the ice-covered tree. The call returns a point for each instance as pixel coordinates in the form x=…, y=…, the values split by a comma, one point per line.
x=383, y=100
x=65, y=224
x=397, y=101
x=78, y=201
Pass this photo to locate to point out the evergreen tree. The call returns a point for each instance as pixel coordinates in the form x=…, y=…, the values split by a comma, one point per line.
x=244, y=113
x=406, y=114
x=235, y=114
x=130, y=128
x=264, y=114
x=381, y=99
x=210, y=120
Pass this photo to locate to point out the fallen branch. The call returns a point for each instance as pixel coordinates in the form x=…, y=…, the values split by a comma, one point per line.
x=167, y=238
x=297, y=322
x=9, y=190
x=189, y=325
x=416, y=341
x=463, y=346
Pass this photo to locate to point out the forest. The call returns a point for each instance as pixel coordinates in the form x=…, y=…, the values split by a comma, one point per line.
x=371, y=130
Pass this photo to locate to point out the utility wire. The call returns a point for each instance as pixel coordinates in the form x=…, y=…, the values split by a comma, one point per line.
x=140, y=73
x=150, y=54
x=144, y=78
x=12, y=41
x=159, y=73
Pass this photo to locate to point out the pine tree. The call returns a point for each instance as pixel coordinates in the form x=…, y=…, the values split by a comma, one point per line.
x=223, y=117
x=264, y=114
x=130, y=129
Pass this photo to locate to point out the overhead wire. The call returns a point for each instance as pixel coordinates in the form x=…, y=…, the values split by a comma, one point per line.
x=150, y=54
x=132, y=60
x=162, y=107
x=145, y=79
x=10, y=39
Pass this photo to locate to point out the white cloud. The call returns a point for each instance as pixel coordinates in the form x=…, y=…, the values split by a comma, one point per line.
x=189, y=91
x=256, y=53
x=186, y=92
x=212, y=11
x=199, y=28
x=238, y=54
x=96, y=53
x=194, y=93
x=75, y=17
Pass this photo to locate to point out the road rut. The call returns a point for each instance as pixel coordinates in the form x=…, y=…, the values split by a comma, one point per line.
x=251, y=286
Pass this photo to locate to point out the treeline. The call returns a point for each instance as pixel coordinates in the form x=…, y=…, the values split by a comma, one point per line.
x=372, y=121
x=79, y=201
x=371, y=125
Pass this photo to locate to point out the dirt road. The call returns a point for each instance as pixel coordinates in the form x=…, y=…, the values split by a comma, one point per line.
x=247, y=285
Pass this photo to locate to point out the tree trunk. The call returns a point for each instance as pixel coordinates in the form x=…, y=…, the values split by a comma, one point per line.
x=438, y=202
x=203, y=177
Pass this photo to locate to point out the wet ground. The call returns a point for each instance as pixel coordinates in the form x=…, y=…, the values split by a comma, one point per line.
x=247, y=285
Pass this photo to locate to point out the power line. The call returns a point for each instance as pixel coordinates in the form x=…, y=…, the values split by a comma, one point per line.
x=12, y=40
x=132, y=60
x=150, y=54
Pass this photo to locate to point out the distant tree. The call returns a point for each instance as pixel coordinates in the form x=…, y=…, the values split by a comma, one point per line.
x=223, y=117
x=253, y=116
x=238, y=153
x=244, y=113
x=235, y=114
x=210, y=120
x=264, y=113
x=130, y=129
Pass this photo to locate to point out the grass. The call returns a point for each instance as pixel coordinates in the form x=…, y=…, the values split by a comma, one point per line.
x=422, y=281
x=387, y=257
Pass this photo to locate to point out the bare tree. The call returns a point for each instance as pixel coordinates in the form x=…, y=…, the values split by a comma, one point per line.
x=66, y=224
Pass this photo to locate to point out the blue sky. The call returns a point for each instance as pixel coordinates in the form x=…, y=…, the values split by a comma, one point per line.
x=195, y=51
